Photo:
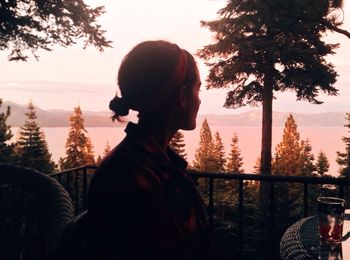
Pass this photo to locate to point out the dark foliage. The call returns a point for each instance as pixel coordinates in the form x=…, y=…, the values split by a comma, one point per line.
x=29, y=25
x=267, y=46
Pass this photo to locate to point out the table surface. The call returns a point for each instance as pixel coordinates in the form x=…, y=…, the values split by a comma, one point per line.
x=301, y=241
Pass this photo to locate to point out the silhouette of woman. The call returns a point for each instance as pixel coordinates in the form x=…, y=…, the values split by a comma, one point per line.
x=142, y=204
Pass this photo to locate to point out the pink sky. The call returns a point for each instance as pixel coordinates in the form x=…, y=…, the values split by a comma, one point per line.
x=63, y=78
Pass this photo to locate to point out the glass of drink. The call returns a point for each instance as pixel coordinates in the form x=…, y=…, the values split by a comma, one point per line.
x=331, y=218
x=330, y=251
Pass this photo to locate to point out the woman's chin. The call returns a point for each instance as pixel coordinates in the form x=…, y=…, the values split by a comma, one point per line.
x=189, y=127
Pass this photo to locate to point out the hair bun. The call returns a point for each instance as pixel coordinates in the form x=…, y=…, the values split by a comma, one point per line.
x=119, y=106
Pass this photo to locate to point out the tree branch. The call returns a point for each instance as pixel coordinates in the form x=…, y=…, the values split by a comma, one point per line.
x=332, y=27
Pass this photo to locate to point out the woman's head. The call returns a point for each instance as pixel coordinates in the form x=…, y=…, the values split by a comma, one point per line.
x=150, y=74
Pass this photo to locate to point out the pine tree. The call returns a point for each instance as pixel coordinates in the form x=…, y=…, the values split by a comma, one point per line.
x=219, y=153
x=177, y=143
x=256, y=167
x=293, y=157
x=286, y=162
x=343, y=158
x=322, y=164
x=222, y=187
x=307, y=167
x=306, y=159
x=235, y=161
x=266, y=46
x=234, y=165
x=79, y=150
x=107, y=149
x=256, y=170
x=98, y=160
x=204, y=159
x=287, y=153
x=7, y=154
x=32, y=147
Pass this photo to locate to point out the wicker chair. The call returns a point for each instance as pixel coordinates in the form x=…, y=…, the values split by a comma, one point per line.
x=74, y=241
x=34, y=211
x=291, y=246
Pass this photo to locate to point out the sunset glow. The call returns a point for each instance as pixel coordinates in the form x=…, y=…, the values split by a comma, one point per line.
x=64, y=78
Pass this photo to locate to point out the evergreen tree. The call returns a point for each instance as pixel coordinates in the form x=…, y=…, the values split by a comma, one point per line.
x=32, y=147
x=307, y=167
x=267, y=46
x=256, y=167
x=315, y=190
x=343, y=158
x=287, y=153
x=98, y=160
x=286, y=162
x=204, y=159
x=256, y=170
x=322, y=164
x=235, y=161
x=306, y=159
x=234, y=165
x=222, y=188
x=107, y=149
x=7, y=154
x=79, y=150
x=219, y=153
x=177, y=143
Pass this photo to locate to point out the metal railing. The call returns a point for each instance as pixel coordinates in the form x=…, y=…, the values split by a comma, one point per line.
x=77, y=180
x=271, y=180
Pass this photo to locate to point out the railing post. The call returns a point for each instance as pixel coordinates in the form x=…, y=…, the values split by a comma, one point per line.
x=240, y=219
x=272, y=219
x=68, y=183
x=211, y=203
x=1, y=201
x=76, y=179
x=341, y=191
x=306, y=199
x=85, y=188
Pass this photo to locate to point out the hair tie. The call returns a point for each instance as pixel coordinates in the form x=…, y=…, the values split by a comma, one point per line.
x=119, y=106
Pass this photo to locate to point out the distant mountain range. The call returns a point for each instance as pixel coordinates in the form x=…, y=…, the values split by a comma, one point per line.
x=60, y=118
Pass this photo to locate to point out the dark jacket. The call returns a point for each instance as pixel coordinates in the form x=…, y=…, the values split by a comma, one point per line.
x=143, y=205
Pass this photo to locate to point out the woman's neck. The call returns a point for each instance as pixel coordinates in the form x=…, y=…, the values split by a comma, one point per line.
x=158, y=133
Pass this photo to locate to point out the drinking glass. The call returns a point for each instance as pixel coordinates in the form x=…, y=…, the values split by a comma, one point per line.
x=330, y=251
x=331, y=218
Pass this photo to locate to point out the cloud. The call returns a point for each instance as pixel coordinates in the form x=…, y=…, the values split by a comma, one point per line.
x=54, y=87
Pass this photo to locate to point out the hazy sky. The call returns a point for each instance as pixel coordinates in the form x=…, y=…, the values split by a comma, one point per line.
x=63, y=78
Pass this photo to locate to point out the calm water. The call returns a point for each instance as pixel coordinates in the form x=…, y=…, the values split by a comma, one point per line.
x=327, y=139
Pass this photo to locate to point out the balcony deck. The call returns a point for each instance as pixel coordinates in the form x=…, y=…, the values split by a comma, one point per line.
x=248, y=220
x=235, y=218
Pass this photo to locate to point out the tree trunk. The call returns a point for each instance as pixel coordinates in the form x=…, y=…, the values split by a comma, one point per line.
x=266, y=136
x=266, y=143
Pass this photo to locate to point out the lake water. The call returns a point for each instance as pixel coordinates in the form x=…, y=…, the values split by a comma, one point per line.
x=327, y=139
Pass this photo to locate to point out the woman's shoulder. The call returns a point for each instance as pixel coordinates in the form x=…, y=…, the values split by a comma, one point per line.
x=126, y=167
x=125, y=156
